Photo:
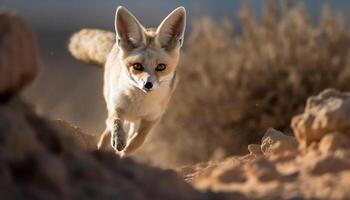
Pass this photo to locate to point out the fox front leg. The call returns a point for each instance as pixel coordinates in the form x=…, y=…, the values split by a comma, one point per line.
x=139, y=136
x=118, y=135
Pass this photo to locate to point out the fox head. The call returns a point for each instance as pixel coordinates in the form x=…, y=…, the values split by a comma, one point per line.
x=149, y=56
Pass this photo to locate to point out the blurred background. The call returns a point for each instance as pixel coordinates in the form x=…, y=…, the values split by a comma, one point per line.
x=246, y=66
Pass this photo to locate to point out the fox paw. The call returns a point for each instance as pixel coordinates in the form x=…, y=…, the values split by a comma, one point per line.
x=118, y=138
x=118, y=142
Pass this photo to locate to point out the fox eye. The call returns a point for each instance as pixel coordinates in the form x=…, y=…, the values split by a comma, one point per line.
x=137, y=66
x=160, y=67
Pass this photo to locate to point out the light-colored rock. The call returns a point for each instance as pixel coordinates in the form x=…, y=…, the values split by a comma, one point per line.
x=325, y=113
x=262, y=170
x=275, y=143
x=333, y=141
x=229, y=172
x=255, y=150
x=315, y=163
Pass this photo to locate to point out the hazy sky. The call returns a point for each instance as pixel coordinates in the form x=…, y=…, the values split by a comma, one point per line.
x=68, y=14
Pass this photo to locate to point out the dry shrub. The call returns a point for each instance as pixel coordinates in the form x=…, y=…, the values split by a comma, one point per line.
x=235, y=84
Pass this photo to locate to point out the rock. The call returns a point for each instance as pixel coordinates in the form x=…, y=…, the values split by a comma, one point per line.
x=40, y=160
x=52, y=172
x=333, y=141
x=19, y=61
x=275, y=143
x=255, y=149
x=214, y=176
x=326, y=113
x=17, y=137
x=315, y=163
x=261, y=170
x=342, y=182
x=229, y=172
x=303, y=175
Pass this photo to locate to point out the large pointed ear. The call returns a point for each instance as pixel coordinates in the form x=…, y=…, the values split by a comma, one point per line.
x=171, y=31
x=130, y=33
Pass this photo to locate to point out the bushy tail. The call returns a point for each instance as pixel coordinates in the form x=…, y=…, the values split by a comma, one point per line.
x=91, y=45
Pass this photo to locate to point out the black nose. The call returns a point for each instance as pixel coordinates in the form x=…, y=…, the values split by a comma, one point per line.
x=148, y=85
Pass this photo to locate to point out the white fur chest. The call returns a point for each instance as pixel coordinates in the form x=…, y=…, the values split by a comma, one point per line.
x=134, y=103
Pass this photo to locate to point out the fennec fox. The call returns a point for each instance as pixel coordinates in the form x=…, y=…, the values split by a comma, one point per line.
x=139, y=78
